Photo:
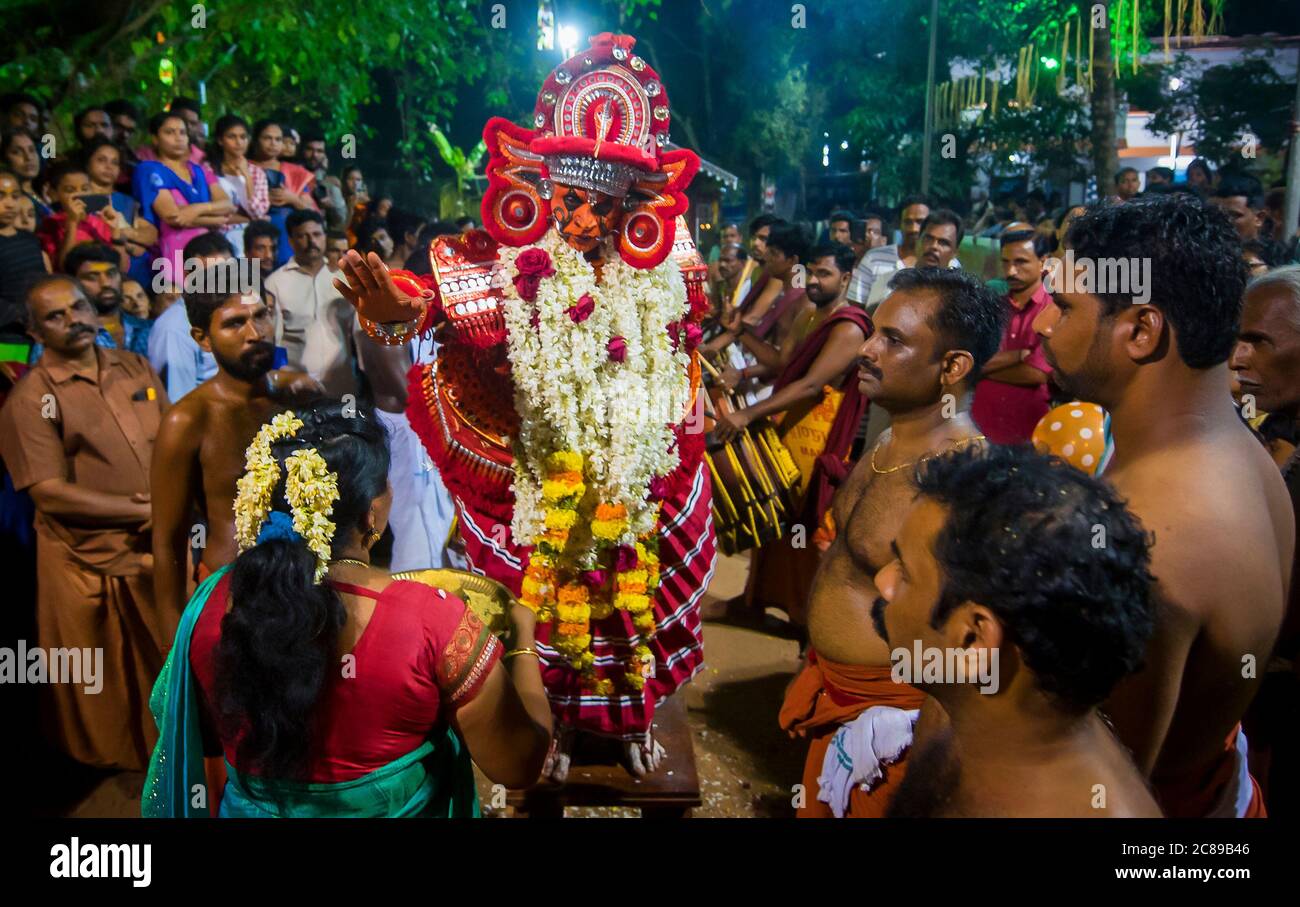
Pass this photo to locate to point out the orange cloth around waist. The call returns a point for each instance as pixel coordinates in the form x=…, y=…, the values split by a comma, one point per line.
x=827, y=694
x=830, y=693
x=1191, y=796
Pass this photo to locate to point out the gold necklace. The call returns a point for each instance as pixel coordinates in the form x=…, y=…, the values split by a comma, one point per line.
x=348, y=560
x=884, y=472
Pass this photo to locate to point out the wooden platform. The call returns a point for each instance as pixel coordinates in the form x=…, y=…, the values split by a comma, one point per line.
x=596, y=778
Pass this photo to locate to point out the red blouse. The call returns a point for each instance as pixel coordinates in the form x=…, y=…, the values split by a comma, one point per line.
x=423, y=655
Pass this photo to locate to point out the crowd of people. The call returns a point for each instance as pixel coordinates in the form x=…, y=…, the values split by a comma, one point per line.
x=1095, y=482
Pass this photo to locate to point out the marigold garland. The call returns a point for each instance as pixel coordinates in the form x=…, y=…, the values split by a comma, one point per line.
x=596, y=430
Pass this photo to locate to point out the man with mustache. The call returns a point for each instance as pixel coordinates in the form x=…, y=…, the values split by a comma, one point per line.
x=821, y=354
x=1012, y=396
x=77, y=433
x=995, y=564
x=933, y=334
x=313, y=322
x=1192, y=473
x=200, y=451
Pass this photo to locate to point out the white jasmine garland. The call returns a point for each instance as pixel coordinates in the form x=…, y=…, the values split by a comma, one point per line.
x=571, y=396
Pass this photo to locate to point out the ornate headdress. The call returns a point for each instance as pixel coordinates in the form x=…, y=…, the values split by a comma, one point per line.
x=601, y=124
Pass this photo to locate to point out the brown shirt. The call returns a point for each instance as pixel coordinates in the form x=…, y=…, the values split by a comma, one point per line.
x=94, y=430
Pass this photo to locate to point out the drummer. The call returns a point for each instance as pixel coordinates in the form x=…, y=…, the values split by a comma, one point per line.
x=819, y=405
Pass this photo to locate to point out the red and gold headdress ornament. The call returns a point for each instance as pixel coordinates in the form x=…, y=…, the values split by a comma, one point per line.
x=601, y=124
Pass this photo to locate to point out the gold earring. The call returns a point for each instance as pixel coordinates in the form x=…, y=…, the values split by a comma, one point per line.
x=372, y=536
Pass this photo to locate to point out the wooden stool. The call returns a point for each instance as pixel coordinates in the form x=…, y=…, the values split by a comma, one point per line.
x=670, y=793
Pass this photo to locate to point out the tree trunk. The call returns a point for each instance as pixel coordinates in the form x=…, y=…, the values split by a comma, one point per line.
x=1105, y=147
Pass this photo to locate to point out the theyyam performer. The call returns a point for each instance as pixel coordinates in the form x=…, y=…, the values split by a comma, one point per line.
x=561, y=406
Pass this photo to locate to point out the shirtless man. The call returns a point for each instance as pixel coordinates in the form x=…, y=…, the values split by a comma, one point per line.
x=933, y=334
x=199, y=454
x=996, y=561
x=1196, y=478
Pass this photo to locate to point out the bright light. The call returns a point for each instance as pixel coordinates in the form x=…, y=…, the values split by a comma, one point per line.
x=1175, y=83
x=826, y=155
x=844, y=145
x=1049, y=62
x=569, y=39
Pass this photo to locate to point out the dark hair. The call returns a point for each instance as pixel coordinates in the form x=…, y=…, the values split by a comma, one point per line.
x=1020, y=539
x=1119, y=174
x=258, y=128
x=736, y=247
x=1165, y=172
x=790, y=239
x=223, y=279
x=366, y=234
x=401, y=222
x=1232, y=185
x=256, y=230
x=844, y=256
x=945, y=216
x=418, y=262
x=343, y=175
x=840, y=215
x=300, y=217
x=89, y=251
x=969, y=317
x=1042, y=245
x=85, y=112
x=910, y=200
x=8, y=137
x=206, y=245
x=61, y=168
x=1271, y=252
x=1202, y=165
x=763, y=220
x=1065, y=212
x=1197, y=275
x=278, y=640
x=185, y=103
x=86, y=151
x=461, y=222
x=217, y=154
x=156, y=121
x=335, y=235
x=11, y=99
x=121, y=107
x=312, y=135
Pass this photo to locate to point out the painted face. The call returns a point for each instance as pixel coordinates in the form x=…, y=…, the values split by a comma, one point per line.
x=584, y=218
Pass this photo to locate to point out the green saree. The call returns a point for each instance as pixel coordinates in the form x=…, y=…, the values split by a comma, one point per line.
x=434, y=780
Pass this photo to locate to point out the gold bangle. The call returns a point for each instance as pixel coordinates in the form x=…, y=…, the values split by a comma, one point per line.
x=525, y=651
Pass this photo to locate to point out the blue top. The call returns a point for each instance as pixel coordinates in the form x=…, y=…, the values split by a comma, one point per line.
x=175, y=356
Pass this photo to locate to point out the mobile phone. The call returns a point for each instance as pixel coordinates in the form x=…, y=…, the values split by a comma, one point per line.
x=858, y=231
x=95, y=202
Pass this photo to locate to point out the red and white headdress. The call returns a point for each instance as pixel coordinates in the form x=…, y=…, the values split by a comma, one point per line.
x=600, y=123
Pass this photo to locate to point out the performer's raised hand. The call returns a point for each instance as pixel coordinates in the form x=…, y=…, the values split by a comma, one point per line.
x=370, y=288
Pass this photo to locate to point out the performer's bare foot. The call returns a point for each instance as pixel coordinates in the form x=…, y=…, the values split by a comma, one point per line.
x=556, y=767
x=644, y=756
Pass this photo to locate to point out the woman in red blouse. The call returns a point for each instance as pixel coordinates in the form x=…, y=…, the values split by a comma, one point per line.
x=359, y=695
